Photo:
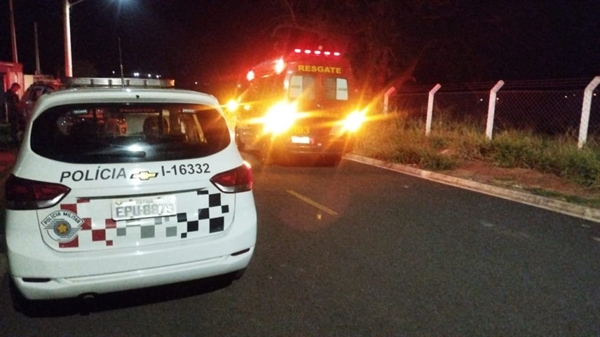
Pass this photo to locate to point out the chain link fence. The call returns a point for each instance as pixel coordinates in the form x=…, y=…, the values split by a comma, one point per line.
x=543, y=107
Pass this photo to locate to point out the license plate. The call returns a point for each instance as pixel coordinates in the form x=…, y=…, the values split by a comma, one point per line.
x=300, y=140
x=144, y=207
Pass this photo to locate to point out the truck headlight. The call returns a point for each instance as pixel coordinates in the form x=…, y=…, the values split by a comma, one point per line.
x=232, y=105
x=280, y=118
x=354, y=120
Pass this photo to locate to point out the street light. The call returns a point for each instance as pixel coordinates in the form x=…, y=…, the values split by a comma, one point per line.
x=67, y=30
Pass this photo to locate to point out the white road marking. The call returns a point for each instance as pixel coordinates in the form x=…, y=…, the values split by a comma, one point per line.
x=312, y=203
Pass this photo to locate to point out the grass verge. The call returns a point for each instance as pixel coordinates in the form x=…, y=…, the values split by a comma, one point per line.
x=401, y=141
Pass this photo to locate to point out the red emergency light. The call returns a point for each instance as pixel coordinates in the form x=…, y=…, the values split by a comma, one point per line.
x=316, y=52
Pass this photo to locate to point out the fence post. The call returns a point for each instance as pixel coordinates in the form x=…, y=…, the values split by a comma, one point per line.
x=585, y=111
x=430, y=109
x=492, y=109
x=386, y=99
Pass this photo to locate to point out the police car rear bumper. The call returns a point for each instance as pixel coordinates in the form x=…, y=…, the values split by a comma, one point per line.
x=56, y=288
x=40, y=272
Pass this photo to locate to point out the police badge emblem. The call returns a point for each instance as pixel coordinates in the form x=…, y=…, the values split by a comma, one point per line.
x=63, y=225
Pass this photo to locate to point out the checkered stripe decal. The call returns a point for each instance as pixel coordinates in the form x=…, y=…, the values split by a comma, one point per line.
x=211, y=214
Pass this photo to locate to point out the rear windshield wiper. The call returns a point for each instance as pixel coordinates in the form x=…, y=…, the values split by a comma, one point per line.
x=116, y=153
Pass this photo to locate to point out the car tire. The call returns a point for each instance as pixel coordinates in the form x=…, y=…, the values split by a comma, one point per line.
x=236, y=275
x=265, y=158
x=333, y=161
x=20, y=303
x=265, y=154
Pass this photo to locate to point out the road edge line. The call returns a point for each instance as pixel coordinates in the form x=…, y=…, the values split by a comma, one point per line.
x=562, y=207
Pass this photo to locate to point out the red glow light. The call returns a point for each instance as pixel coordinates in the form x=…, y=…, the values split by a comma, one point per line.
x=316, y=52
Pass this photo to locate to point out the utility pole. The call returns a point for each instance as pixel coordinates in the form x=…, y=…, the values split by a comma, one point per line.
x=13, y=33
x=121, y=63
x=38, y=70
x=67, y=32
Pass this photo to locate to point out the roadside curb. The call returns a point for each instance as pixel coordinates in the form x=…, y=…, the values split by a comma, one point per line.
x=558, y=206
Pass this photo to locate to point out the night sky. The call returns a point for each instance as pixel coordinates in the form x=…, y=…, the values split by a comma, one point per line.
x=215, y=41
x=179, y=39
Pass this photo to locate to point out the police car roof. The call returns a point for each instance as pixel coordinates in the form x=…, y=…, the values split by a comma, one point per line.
x=123, y=95
x=125, y=82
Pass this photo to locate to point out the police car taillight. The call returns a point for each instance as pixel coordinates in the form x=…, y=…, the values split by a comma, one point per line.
x=24, y=194
x=237, y=180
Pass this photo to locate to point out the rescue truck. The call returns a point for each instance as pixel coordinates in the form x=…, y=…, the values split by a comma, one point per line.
x=303, y=104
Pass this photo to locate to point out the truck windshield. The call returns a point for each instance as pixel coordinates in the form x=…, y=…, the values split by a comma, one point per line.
x=307, y=87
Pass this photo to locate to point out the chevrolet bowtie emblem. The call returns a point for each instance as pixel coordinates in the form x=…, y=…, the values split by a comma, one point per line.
x=144, y=175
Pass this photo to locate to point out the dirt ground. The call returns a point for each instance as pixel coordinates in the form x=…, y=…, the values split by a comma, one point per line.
x=525, y=180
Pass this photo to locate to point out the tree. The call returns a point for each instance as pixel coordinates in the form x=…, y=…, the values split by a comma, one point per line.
x=392, y=42
x=84, y=68
x=374, y=35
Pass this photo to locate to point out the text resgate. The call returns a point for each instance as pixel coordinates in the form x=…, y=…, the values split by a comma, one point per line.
x=319, y=69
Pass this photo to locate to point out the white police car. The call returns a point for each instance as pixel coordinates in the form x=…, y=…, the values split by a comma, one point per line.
x=119, y=185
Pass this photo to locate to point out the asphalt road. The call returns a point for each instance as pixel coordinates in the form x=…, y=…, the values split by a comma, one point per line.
x=361, y=251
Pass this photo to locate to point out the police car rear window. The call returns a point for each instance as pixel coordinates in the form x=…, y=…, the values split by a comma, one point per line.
x=123, y=133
